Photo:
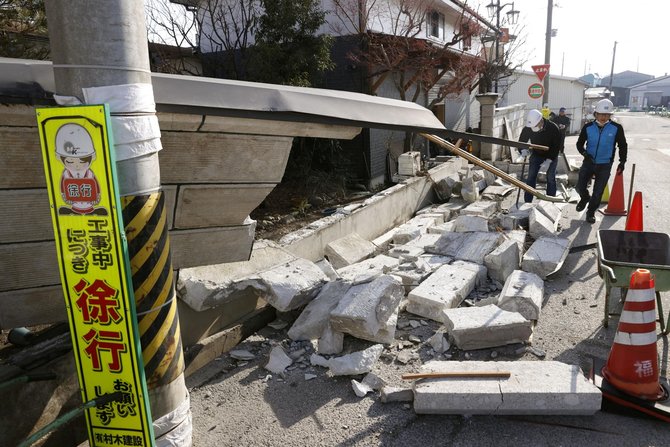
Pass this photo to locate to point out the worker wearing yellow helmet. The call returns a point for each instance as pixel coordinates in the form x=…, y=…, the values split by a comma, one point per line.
x=597, y=142
x=79, y=187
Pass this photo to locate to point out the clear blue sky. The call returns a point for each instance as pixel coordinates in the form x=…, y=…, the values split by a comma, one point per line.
x=587, y=30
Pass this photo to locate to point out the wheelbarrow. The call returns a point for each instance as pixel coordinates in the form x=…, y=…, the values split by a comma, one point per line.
x=620, y=253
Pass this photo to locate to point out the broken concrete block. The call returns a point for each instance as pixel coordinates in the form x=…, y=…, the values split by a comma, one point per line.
x=463, y=224
x=545, y=256
x=423, y=240
x=439, y=342
x=480, y=270
x=533, y=388
x=360, y=389
x=443, y=228
x=383, y=242
x=470, y=190
x=523, y=292
x=482, y=208
x=442, y=190
x=434, y=262
x=365, y=311
x=446, y=288
x=470, y=247
x=513, y=221
x=485, y=327
x=502, y=261
x=242, y=354
x=539, y=225
x=327, y=269
x=360, y=362
x=278, y=361
x=518, y=236
x=367, y=270
x=210, y=286
x=497, y=192
x=313, y=319
x=331, y=341
x=348, y=250
x=406, y=252
x=551, y=211
x=293, y=284
x=394, y=394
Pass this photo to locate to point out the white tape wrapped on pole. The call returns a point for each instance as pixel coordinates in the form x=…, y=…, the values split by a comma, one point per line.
x=175, y=428
x=136, y=134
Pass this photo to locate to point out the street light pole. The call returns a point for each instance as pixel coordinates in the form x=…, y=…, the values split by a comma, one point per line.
x=512, y=15
x=547, y=51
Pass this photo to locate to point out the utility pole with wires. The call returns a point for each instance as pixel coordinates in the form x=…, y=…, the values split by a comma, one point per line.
x=612, y=70
x=547, y=51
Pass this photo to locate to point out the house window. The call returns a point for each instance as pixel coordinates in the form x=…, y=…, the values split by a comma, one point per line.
x=435, y=25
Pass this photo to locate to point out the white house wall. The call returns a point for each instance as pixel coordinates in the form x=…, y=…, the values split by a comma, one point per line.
x=651, y=93
x=563, y=92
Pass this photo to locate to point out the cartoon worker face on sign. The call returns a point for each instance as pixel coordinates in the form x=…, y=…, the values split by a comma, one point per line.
x=79, y=187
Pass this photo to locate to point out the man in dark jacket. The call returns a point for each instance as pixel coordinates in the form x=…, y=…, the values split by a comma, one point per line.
x=543, y=132
x=601, y=136
x=563, y=123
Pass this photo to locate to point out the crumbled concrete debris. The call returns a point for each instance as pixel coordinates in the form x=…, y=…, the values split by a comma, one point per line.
x=292, y=284
x=313, y=319
x=415, y=324
x=523, y=292
x=439, y=342
x=551, y=211
x=414, y=339
x=278, y=324
x=485, y=327
x=464, y=224
x=348, y=250
x=278, y=361
x=242, y=354
x=360, y=362
x=502, y=261
x=365, y=312
x=360, y=389
x=395, y=394
x=367, y=270
x=546, y=256
x=406, y=357
x=331, y=341
x=406, y=252
x=373, y=381
x=537, y=352
x=310, y=376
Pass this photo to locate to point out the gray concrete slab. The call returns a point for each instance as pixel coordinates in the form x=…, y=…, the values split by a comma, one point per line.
x=533, y=388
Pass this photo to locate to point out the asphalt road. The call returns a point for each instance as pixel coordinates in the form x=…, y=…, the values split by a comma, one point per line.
x=235, y=403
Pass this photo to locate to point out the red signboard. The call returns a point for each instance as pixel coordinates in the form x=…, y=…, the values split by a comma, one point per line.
x=541, y=71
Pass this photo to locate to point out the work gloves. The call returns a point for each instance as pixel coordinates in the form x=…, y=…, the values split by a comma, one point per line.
x=620, y=168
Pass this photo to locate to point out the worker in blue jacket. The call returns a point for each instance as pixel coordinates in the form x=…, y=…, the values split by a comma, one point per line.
x=601, y=136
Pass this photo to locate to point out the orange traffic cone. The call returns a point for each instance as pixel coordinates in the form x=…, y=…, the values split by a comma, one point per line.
x=632, y=366
x=615, y=205
x=634, y=221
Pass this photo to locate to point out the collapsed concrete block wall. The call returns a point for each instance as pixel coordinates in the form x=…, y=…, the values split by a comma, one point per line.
x=214, y=173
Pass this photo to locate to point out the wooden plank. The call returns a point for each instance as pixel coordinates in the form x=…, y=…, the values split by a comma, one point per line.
x=189, y=158
x=26, y=265
x=26, y=216
x=206, y=246
x=21, y=158
x=201, y=206
x=29, y=307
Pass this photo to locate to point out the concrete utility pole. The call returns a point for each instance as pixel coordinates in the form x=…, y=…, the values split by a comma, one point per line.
x=547, y=51
x=612, y=70
x=97, y=43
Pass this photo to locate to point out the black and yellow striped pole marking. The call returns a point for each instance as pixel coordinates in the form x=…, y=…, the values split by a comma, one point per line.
x=145, y=221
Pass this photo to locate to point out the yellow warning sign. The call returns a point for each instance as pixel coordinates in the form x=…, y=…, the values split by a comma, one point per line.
x=92, y=255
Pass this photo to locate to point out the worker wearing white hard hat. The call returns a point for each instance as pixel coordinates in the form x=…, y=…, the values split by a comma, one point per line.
x=597, y=142
x=541, y=131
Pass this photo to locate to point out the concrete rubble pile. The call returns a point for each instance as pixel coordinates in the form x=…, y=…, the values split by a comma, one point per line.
x=458, y=272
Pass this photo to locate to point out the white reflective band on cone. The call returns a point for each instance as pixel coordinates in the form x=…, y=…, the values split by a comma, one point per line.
x=632, y=339
x=640, y=295
x=637, y=317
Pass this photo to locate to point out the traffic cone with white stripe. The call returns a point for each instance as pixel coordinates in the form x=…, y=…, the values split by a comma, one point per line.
x=632, y=366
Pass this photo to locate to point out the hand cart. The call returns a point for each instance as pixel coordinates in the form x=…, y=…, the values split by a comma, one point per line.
x=620, y=253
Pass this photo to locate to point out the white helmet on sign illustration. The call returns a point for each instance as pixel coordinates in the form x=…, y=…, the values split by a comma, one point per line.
x=72, y=140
